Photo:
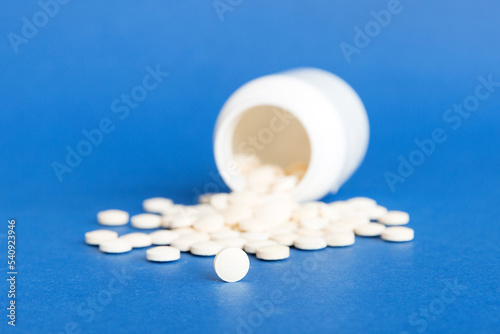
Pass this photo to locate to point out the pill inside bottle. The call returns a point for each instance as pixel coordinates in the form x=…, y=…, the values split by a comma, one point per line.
x=308, y=122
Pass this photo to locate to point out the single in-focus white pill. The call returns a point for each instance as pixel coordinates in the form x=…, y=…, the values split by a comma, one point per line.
x=157, y=204
x=146, y=221
x=398, y=234
x=395, y=218
x=163, y=237
x=273, y=252
x=137, y=239
x=115, y=246
x=163, y=254
x=231, y=264
x=340, y=239
x=370, y=230
x=206, y=248
x=252, y=246
x=112, y=217
x=98, y=236
x=209, y=222
x=309, y=243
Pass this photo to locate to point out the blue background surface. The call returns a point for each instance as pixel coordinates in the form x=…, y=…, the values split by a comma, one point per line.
x=64, y=80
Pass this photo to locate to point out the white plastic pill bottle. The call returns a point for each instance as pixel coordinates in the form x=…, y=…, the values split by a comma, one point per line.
x=302, y=117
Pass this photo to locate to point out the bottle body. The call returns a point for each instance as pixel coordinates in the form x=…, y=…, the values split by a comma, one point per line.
x=307, y=117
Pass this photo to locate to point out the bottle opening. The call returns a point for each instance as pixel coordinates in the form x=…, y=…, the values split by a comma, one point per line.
x=274, y=136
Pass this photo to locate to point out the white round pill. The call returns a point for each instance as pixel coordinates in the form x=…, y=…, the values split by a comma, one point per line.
x=246, y=197
x=338, y=227
x=398, y=234
x=224, y=234
x=252, y=246
x=285, y=183
x=163, y=254
x=183, y=231
x=309, y=243
x=273, y=252
x=112, y=217
x=263, y=175
x=184, y=243
x=237, y=213
x=307, y=232
x=219, y=201
x=395, y=218
x=233, y=242
x=274, y=213
x=206, y=248
x=115, y=246
x=328, y=212
x=209, y=222
x=157, y=204
x=370, y=230
x=98, y=236
x=163, y=237
x=184, y=217
x=314, y=223
x=285, y=239
x=253, y=225
x=146, y=221
x=254, y=236
x=340, y=239
x=355, y=221
x=231, y=264
x=137, y=239
x=290, y=227
x=306, y=212
x=375, y=212
x=361, y=202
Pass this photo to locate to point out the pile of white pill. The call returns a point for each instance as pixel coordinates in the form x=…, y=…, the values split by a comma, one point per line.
x=262, y=219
